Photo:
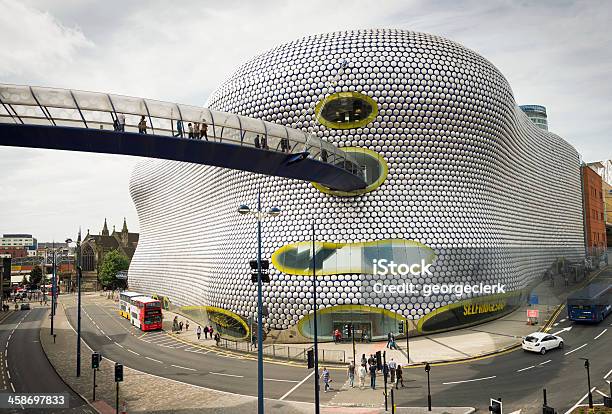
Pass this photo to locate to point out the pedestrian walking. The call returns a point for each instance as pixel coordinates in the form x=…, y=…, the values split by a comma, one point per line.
x=142, y=125
x=204, y=130
x=364, y=361
x=190, y=130
x=373, y=376
x=371, y=360
x=326, y=378
x=210, y=331
x=389, y=336
x=121, y=122
x=217, y=338
x=181, y=326
x=385, y=372
x=399, y=376
x=363, y=373
x=199, y=332
x=392, y=368
x=257, y=144
x=179, y=128
x=351, y=373
x=186, y=325
x=206, y=332
x=196, y=130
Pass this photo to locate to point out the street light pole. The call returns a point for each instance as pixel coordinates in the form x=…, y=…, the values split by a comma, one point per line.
x=260, y=390
x=78, y=352
x=52, y=286
x=407, y=343
x=316, y=335
x=243, y=209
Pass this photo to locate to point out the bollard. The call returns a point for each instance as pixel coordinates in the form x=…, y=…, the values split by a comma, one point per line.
x=54, y=338
x=392, y=402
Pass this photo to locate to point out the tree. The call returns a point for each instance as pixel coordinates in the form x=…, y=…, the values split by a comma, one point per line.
x=113, y=262
x=36, y=276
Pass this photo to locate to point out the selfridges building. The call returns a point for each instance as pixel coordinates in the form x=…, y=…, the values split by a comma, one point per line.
x=463, y=191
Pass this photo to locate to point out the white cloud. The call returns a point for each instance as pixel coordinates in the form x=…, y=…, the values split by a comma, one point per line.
x=554, y=53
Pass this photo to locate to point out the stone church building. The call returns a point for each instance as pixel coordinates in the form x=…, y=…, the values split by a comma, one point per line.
x=95, y=246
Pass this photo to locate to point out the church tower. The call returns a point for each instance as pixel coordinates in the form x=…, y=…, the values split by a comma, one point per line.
x=105, y=229
x=124, y=234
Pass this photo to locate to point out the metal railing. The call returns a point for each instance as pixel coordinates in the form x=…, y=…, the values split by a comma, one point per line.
x=293, y=353
x=21, y=104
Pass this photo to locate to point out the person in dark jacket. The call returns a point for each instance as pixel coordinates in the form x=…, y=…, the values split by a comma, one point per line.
x=373, y=376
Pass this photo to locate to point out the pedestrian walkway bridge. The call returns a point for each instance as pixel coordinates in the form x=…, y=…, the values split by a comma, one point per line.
x=62, y=119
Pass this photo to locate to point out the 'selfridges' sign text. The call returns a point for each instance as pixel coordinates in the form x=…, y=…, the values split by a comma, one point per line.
x=480, y=308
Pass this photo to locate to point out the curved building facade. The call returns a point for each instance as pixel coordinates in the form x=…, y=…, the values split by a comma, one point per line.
x=458, y=176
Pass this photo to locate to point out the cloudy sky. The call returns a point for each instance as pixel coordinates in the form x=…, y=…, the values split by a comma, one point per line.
x=556, y=53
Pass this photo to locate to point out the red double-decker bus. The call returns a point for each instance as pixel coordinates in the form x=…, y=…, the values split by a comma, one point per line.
x=146, y=313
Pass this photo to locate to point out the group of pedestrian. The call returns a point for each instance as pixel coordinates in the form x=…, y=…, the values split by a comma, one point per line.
x=391, y=344
x=196, y=130
x=207, y=330
x=370, y=367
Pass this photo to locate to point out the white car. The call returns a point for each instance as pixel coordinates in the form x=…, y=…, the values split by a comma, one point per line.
x=541, y=342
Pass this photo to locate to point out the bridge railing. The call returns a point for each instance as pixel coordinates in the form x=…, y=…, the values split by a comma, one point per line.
x=21, y=104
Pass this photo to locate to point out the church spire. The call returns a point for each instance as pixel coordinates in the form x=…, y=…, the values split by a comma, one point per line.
x=105, y=229
x=79, y=236
x=124, y=229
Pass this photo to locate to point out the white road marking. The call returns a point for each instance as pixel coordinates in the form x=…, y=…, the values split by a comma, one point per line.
x=119, y=345
x=109, y=338
x=133, y=352
x=562, y=320
x=279, y=380
x=178, y=366
x=578, y=403
x=555, y=324
x=608, y=374
x=226, y=375
x=12, y=387
x=156, y=360
x=296, y=386
x=603, y=332
x=545, y=362
x=569, y=328
x=470, y=380
x=525, y=369
x=601, y=393
x=574, y=350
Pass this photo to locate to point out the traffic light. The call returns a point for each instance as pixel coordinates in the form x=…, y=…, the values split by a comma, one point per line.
x=95, y=360
x=400, y=327
x=265, y=271
x=118, y=372
x=496, y=406
x=310, y=358
x=378, y=360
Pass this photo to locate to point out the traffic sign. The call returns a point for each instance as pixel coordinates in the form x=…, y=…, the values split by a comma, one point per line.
x=533, y=313
x=534, y=299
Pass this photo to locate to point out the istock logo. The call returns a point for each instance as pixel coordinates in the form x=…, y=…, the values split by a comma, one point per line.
x=383, y=267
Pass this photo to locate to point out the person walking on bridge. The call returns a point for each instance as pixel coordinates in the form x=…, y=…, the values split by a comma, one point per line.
x=142, y=125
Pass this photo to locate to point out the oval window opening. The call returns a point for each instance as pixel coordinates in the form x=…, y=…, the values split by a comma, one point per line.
x=345, y=110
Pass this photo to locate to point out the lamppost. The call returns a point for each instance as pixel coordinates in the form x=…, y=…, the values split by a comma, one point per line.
x=52, y=286
x=316, y=334
x=587, y=366
x=259, y=215
x=427, y=369
x=407, y=342
x=78, y=275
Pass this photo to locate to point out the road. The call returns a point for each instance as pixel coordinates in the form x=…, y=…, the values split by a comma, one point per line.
x=25, y=367
x=517, y=377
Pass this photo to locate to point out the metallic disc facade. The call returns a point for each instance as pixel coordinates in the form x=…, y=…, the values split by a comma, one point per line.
x=468, y=174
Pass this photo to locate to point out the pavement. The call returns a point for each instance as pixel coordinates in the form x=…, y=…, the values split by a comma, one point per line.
x=463, y=344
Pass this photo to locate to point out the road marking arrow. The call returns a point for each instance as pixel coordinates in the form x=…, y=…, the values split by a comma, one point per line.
x=569, y=328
